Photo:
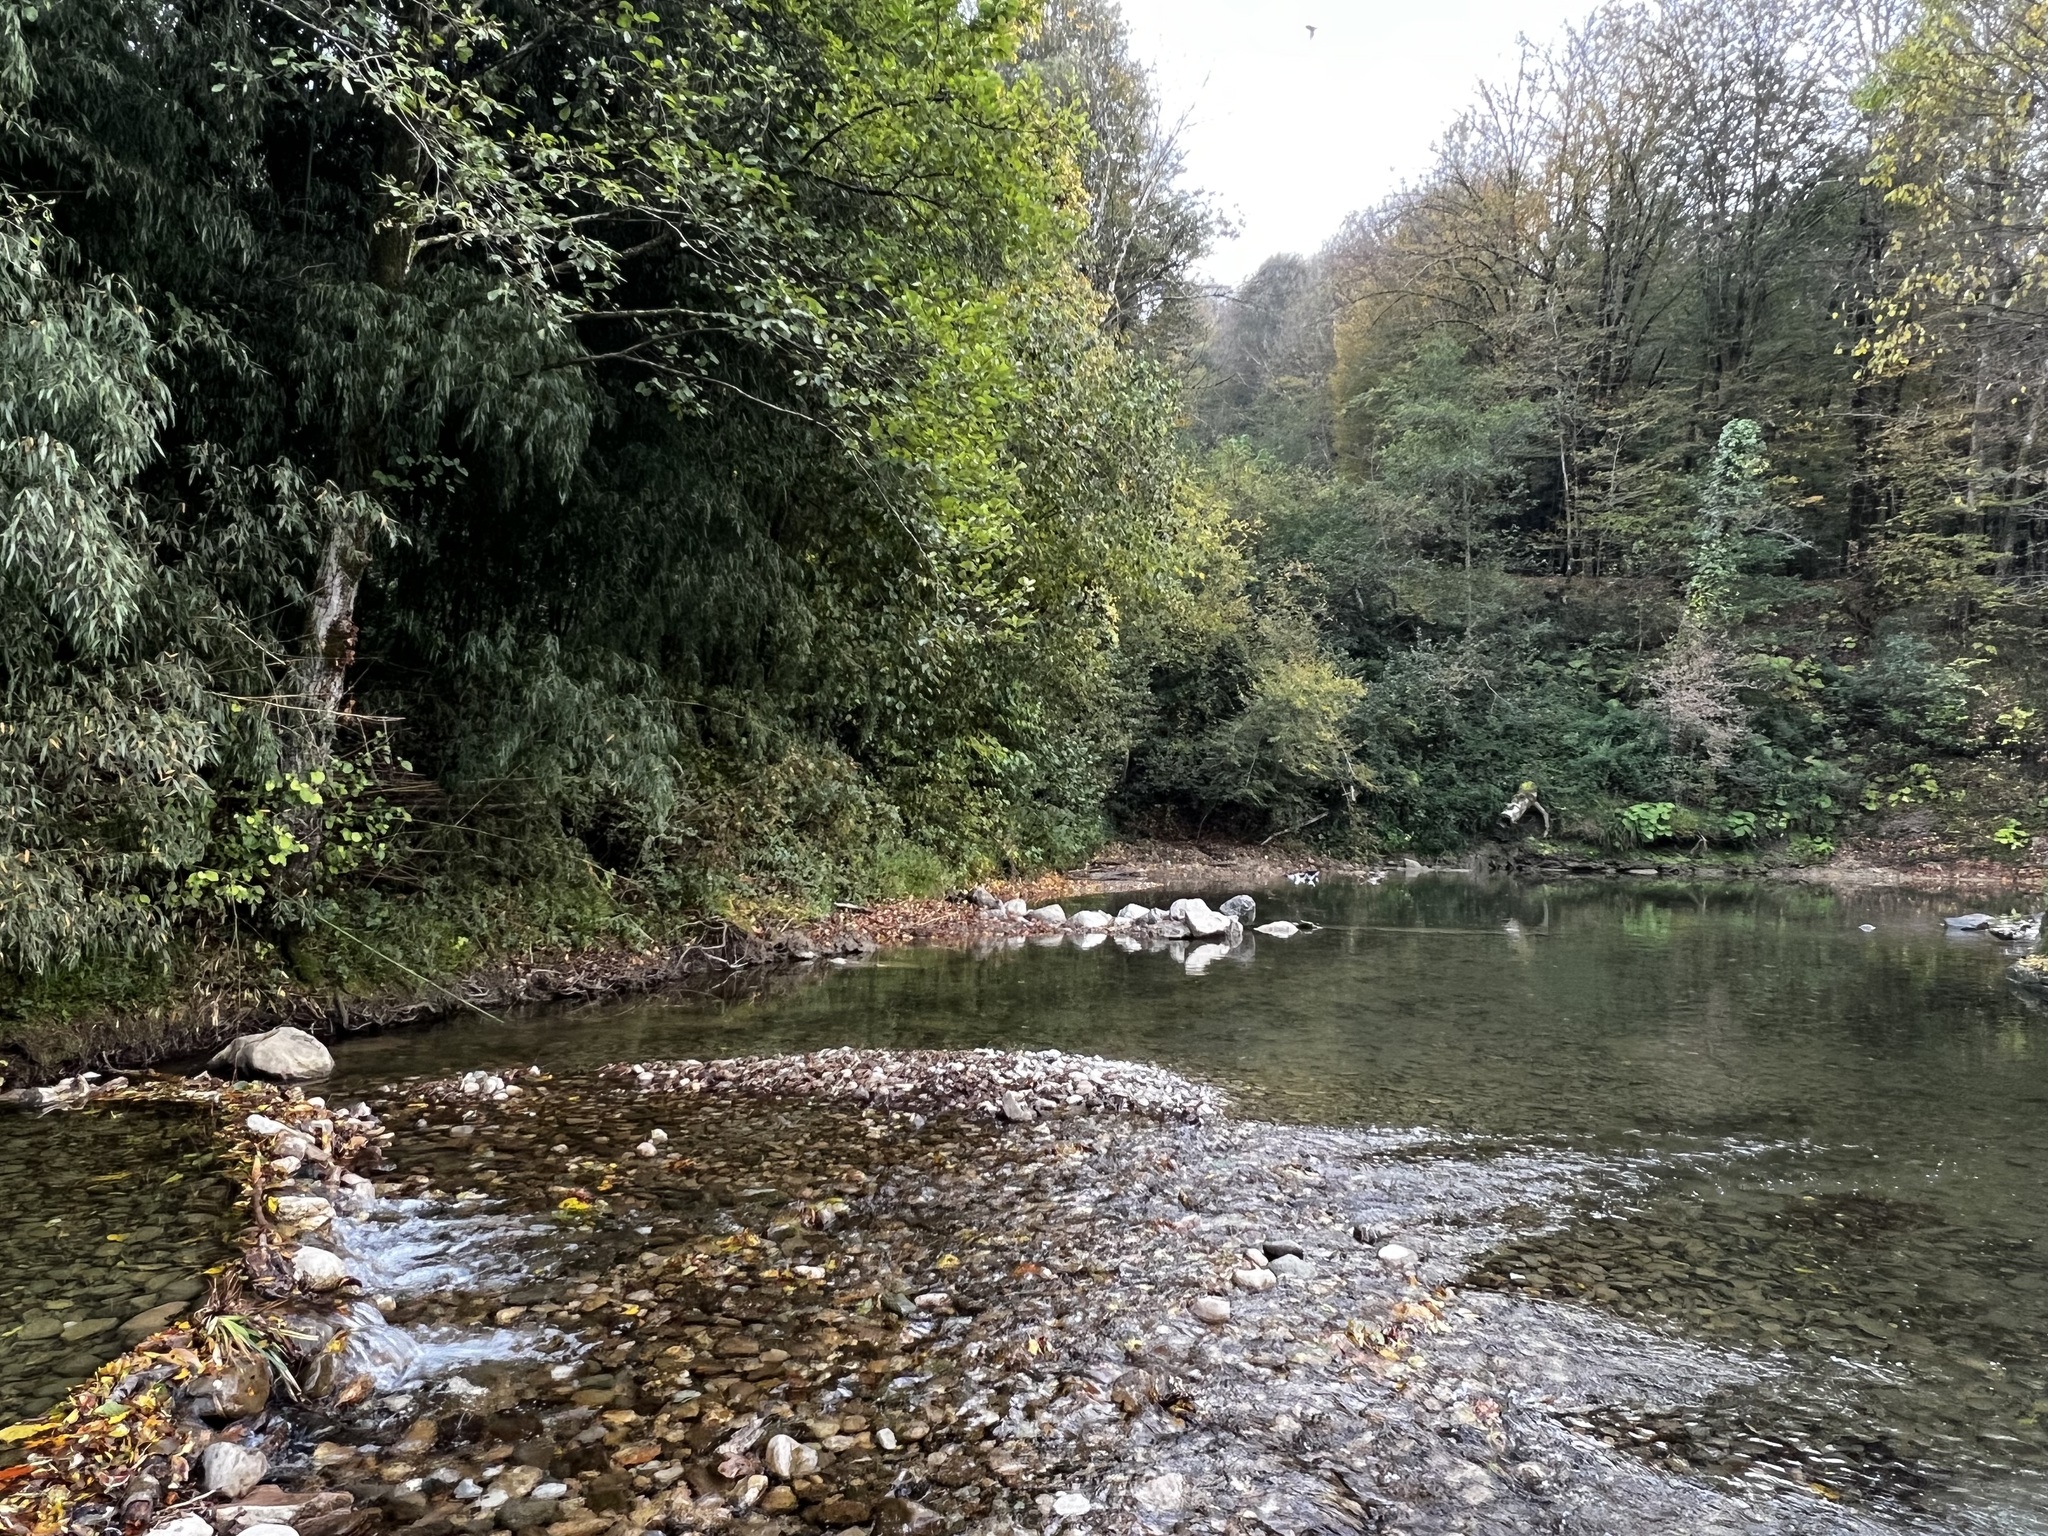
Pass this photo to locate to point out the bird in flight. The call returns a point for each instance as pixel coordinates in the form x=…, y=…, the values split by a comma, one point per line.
x=1311, y=33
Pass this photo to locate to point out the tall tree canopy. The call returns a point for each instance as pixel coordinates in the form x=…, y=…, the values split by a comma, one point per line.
x=694, y=435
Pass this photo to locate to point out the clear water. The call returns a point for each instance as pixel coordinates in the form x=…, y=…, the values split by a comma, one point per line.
x=107, y=1214
x=1809, y=1144
x=1793, y=1143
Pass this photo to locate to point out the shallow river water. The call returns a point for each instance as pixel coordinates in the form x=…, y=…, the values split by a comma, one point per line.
x=1777, y=1177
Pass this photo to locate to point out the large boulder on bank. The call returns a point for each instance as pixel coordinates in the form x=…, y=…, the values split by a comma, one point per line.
x=285, y=1055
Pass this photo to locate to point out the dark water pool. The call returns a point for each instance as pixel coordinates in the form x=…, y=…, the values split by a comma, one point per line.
x=1814, y=1145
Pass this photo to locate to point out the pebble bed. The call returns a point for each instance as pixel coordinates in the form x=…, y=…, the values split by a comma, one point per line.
x=874, y=1293
x=855, y=1292
x=113, y=1213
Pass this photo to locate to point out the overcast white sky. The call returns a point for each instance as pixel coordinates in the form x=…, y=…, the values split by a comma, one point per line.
x=1292, y=132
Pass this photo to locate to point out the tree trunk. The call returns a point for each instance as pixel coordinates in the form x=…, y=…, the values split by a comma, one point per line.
x=320, y=673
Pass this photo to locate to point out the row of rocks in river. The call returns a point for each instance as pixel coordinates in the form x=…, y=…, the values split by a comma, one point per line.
x=1188, y=917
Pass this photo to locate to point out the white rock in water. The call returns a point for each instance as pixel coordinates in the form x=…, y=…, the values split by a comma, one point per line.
x=1092, y=922
x=1969, y=922
x=231, y=1470
x=303, y=1210
x=289, y=1055
x=1210, y=1309
x=1243, y=908
x=1133, y=913
x=1014, y=907
x=1279, y=930
x=1163, y=1494
x=1204, y=923
x=1053, y=915
x=1398, y=1256
x=317, y=1269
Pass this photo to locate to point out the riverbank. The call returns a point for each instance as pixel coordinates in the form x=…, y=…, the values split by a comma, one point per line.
x=216, y=1006
x=220, y=1002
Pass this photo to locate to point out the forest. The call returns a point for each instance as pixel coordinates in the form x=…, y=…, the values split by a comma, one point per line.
x=486, y=473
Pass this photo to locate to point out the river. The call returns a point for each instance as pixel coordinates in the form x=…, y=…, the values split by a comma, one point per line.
x=1788, y=1167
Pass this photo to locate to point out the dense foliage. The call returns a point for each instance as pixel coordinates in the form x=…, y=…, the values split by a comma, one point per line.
x=1673, y=445
x=463, y=442
x=475, y=463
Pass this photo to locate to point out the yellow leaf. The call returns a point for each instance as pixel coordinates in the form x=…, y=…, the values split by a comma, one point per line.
x=14, y=1432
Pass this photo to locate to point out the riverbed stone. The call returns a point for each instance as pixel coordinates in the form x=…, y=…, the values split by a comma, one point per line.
x=899, y=1516
x=307, y=1212
x=1243, y=908
x=1210, y=1309
x=1277, y=930
x=284, y=1054
x=317, y=1269
x=527, y=1514
x=155, y=1320
x=231, y=1470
